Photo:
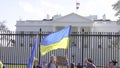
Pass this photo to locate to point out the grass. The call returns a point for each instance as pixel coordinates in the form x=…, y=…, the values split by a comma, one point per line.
x=24, y=66
x=15, y=66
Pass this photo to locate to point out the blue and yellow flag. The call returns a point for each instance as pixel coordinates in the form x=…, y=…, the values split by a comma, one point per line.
x=31, y=58
x=55, y=40
x=1, y=64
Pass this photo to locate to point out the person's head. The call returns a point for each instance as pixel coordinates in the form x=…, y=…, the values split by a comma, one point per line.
x=113, y=63
x=88, y=61
x=53, y=59
x=36, y=62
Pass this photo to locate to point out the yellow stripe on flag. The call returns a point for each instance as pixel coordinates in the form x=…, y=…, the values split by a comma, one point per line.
x=62, y=44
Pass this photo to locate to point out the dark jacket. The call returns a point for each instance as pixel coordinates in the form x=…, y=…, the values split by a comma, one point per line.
x=79, y=66
x=4, y=66
x=48, y=66
x=38, y=66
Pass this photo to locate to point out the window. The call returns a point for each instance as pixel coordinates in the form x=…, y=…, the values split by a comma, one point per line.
x=59, y=28
x=99, y=46
x=85, y=46
x=109, y=46
x=22, y=33
x=99, y=35
x=73, y=44
x=21, y=44
x=31, y=34
x=109, y=35
x=74, y=32
x=30, y=44
x=85, y=29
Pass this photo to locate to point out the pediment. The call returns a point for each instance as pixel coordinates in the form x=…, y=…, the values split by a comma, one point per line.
x=73, y=18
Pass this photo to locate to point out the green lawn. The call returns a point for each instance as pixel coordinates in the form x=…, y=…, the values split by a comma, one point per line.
x=24, y=66
x=15, y=66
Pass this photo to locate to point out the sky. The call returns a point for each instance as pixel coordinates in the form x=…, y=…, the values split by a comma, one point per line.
x=14, y=10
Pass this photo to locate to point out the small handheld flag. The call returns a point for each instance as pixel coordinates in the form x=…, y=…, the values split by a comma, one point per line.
x=31, y=58
x=55, y=40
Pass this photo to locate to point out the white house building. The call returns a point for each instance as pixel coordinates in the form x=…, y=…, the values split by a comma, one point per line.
x=79, y=23
x=89, y=24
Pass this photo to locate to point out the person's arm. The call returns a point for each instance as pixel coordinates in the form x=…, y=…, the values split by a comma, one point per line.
x=93, y=66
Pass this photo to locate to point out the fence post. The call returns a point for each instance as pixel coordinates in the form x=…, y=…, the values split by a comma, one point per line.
x=82, y=48
x=39, y=44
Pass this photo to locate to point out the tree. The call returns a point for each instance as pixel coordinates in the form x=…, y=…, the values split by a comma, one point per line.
x=8, y=40
x=3, y=26
x=116, y=7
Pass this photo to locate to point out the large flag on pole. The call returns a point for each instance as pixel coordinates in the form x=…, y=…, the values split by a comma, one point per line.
x=55, y=40
x=77, y=5
x=31, y=58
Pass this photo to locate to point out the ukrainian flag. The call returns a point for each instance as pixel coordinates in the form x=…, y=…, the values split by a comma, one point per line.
x=32, y=56
x=56, y=40
x=1, y=64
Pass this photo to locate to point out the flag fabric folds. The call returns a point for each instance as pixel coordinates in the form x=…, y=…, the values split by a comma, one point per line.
x=31, y=58
x=55, y=40
x=1, y=64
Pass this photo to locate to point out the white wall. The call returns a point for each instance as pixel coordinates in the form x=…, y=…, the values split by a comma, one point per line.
x=35, y=28
x=105, y=27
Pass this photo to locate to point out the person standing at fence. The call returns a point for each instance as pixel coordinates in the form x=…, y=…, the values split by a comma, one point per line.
x=79, y=65
x=44, y=65
x=36, y=64
x=112, y=64
x=89, y=63
x=66, y=61
x=52, y=63
x=71, y=65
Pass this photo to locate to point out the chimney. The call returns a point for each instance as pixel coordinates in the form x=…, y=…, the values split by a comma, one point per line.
x=104, y=17
x=48, y=17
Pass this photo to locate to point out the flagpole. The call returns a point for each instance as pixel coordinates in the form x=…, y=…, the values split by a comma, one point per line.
x=33, y=51
x=76, y=6
x=40, y=45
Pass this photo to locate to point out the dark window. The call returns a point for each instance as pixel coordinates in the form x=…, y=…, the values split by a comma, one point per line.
x=85, y=46
x=74, y=44
x=109, y=35
x=74, y=32
x=21, y=44
x=31, y=34
x=109, y=46
x=30, y=44
x=22, y=33
x=99, y=46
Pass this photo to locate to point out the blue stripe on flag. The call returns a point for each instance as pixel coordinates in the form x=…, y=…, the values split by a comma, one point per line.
x=31, y=58
x=56, y=37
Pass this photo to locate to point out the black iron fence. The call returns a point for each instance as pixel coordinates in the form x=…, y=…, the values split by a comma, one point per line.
x=101, y=47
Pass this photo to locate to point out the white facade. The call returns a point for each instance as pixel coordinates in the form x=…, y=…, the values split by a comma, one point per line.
x=78, y=22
